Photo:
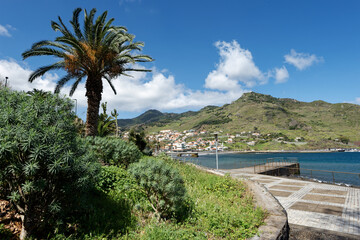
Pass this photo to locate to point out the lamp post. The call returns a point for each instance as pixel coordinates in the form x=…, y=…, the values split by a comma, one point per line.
x=216, y=151
x=75, y=106
x=6, y=78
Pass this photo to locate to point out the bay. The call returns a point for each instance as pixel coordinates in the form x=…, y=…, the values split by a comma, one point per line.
x=334, y=161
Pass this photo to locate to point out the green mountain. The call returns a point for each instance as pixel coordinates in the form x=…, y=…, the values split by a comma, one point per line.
x=317, y=122
x=152, y=117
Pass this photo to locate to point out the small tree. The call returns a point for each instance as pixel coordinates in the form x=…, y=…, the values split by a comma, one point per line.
x=44, y=169
x=106, y=123
x=115, y=115
x=163, y=186
x=138, y=137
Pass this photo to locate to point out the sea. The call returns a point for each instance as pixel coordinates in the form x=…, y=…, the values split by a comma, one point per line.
x=344, y=167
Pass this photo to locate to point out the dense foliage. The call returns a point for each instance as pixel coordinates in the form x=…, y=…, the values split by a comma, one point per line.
x=44, y=168
x=115, y=151
x=163, y=186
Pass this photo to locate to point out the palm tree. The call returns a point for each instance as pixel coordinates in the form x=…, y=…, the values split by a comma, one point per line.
x=98, y=51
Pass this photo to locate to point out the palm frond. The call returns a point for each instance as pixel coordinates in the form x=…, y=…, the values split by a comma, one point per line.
x=74, y=43
x=62, y=82
x=49, y=43
x=75, y=23
x=136, y=70
x=43, y=52
x=99, y=24
x=88, y=26
x=66, y=30
x=42, y=70
x=110, y=83
x=143, y=58
x=74, y=86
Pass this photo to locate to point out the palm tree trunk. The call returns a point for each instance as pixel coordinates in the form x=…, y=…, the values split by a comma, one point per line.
x=93, y=93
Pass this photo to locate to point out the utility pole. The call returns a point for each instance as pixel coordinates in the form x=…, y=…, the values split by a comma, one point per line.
x=216, y=153
x=75, y=106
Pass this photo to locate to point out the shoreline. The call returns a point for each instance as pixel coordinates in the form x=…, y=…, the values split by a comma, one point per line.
x=269, y=151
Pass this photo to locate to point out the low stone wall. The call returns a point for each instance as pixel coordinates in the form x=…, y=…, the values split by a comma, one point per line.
x=276, y=224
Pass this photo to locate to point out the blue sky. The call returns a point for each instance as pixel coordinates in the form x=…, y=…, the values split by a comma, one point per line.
x=206, y=52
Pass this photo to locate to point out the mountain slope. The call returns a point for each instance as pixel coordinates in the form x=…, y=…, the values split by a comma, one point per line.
x=314, y=121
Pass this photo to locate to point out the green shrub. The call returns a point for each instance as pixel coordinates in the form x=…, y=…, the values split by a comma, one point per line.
x=115, y=151
x=118, y=183
x=344, y=139
x=5, y=233
x=163, y=186
x=44, y=168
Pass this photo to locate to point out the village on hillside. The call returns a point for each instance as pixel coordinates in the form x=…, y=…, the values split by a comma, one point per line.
x=192, y=140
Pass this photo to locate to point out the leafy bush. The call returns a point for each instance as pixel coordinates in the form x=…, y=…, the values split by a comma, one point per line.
x=163, y=186
x=116, y=181
x=115, y=151
x=44, y=168
x=344, y=139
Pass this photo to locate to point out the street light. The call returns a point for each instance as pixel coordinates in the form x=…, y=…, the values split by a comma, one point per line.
x=75, y=106
x=216, y=145
x=6, y=78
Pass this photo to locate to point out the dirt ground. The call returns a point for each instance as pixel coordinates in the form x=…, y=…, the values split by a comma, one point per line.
x=9, y=219
x=307, y=233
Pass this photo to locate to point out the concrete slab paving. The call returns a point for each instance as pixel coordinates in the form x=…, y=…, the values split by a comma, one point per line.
x=293, y=183
x=312, y=204
x=331, y=192
x=322, y=198
x=284, y=187
x=280, y=193
x=318, y=208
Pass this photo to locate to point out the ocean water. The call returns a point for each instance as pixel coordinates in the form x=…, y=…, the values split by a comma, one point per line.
x=337, y=161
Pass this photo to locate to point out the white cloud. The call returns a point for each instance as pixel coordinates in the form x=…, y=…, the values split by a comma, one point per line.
x=281, y=75
x=18, y=76
x=357, y=101
x=4, y=30
x=235, y=68
x=143, y=91
x=301, y=60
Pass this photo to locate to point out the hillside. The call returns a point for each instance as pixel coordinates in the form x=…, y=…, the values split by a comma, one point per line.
x=153, y=117
x=316, y=121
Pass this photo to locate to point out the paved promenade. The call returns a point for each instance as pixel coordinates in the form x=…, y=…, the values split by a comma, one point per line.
x=311, y=204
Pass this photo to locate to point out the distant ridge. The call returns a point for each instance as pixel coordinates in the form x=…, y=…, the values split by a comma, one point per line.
x=152, y=116
x=314, y=121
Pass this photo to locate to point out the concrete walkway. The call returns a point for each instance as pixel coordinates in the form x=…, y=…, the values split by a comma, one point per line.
x=318, y=205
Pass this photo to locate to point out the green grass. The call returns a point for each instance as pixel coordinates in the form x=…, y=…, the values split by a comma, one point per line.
x=222, y=208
